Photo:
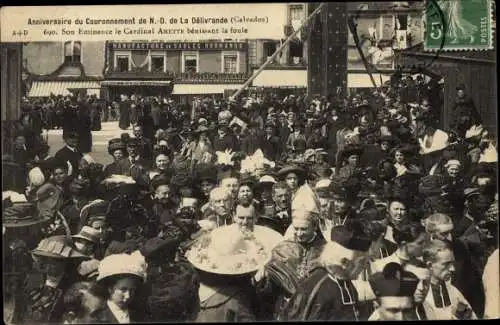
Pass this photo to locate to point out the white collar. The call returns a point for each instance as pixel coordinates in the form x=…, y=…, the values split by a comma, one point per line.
x=53, y=282
x=121, y=315
x=389, y=234
x=71, y=148
x=136, y=158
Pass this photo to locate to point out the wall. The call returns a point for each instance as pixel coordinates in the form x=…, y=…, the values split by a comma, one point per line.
x=93, y=58
x=210, y=61
x=43, y=58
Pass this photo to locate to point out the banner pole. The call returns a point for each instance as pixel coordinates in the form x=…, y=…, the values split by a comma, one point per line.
x=278, y=51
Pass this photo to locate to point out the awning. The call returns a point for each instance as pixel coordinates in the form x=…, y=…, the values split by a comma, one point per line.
x=202, y=89
x=132, y=83
x=362, y=80
x=281, y=78
x=45, y=88
x=298, y=78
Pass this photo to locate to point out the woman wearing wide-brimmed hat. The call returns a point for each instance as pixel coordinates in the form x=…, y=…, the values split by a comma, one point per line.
x=118, y=149
x=293, y=175
x=348, y=162
x=207, y=180
x=122, y=276
x=57, y=259
x=203, y=149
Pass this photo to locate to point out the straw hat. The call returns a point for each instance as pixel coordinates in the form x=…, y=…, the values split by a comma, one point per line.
x=227, y=251
x=300, y=172
x=60, y=247
x=122, y=264
x=89, y=234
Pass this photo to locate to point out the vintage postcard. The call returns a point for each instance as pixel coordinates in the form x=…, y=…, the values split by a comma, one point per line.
x=245, y=162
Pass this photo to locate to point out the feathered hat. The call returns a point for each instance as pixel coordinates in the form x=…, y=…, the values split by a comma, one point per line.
x=122, y=264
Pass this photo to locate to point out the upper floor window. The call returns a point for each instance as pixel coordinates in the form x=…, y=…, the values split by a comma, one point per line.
x=296, y=12
x=230, y=62
x=190, y=62
x=72, y=51
x=158, y=61
x=123, y=61
x=269, y=48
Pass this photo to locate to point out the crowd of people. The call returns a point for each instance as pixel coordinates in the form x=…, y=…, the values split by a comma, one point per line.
x=364, y=208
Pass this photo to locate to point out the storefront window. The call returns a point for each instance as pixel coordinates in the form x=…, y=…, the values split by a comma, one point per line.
x=230, y=63
x=190, y=62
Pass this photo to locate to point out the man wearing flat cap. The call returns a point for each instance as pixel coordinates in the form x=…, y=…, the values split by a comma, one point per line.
x=330, y=293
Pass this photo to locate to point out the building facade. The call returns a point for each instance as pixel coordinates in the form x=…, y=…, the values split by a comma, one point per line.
x=382, y=27
x=289, y=69
x=61, y=68
x=179, y=69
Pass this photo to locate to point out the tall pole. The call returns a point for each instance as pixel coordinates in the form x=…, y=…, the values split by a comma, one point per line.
x=278, y=51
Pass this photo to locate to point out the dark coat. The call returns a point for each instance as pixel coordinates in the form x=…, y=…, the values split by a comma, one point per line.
x=146, y=147
x=124, y=115
x=251, y=143
x=317, y=298
x=228, y=304
x=105, y=316
x=112, y=169
x=65, y=154
x=228, y=141
x=71, y=211
x=272, y=148
x=44, y=304
x=84, y=130
x=467, y=277
x=125, y=166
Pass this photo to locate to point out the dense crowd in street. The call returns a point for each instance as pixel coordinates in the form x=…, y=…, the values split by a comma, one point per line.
x=346, y=207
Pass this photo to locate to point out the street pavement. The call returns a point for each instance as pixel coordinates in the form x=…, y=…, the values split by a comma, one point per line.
x=100, y=140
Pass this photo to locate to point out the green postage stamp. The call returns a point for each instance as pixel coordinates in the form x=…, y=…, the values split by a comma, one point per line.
x=459, y=25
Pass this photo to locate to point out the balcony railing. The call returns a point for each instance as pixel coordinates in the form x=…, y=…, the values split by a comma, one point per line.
x=277, y=64
x=188, y=77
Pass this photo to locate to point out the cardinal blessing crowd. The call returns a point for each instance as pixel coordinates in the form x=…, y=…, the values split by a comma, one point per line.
x=358, y=207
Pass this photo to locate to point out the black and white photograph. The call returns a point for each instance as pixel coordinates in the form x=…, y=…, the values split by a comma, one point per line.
x=315, y=161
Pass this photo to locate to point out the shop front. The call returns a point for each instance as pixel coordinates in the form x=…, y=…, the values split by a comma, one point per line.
x=181, y=70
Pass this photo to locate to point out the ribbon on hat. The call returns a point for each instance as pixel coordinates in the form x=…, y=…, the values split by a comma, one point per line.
x=452, y=162
x=85, y=210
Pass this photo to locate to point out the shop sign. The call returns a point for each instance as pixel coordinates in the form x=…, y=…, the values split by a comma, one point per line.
x=188, y=46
